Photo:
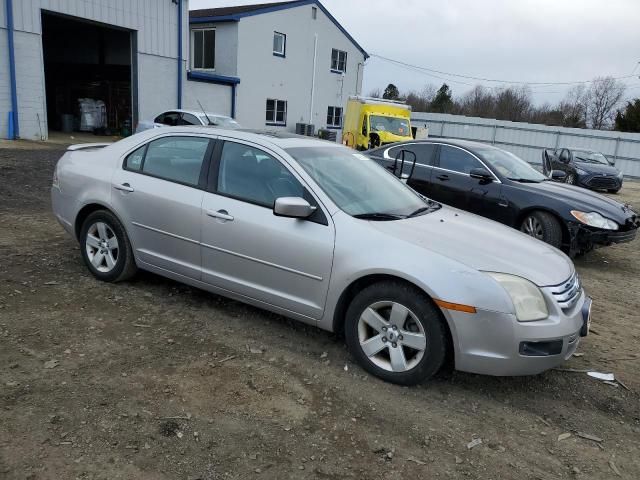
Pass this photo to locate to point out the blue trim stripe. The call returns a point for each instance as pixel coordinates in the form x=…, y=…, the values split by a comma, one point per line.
x=300, y=3
x=212, y=78
x=14, y=123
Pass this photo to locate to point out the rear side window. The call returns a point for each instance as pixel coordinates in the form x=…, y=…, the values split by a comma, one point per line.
x=425, y=152
x=188, y=119
x=457, y=160
x=177, y=159
x=134, y=160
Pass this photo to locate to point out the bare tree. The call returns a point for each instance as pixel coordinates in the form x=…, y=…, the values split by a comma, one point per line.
x=574, y=107
x=602, y=99
x=420, y=101
x=479, y=102
x=514, y=104
x=375, y=93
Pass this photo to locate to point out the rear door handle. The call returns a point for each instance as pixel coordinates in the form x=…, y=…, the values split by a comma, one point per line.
x=444, y=178
x=221, y=214
x=125, y=187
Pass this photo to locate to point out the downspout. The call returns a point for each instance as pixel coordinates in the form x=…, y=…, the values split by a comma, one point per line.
x=313, y=77
x=233, y=100
x=179, y=53
x=14, y=124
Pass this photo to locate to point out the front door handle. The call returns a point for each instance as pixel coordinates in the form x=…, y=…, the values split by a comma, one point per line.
x=125, y=187
x=444, y=178
x=221, y=214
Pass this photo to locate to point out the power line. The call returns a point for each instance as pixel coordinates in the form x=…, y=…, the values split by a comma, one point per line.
x=494, y=80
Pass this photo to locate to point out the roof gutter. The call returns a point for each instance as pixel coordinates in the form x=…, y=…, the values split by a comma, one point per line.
x=179, y=53
x=14, y=124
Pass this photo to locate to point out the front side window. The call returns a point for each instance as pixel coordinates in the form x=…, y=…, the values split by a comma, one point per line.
x=357, y=184
x=334, y=117
x=251, y=175
x=276, y=112
x=279, y=44
x=178, y=159
x=457, y=160
x=338, y=61
x=203, y=49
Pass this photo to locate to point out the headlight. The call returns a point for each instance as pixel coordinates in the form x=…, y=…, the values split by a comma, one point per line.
x=579, y=171
x=594, y=219
x=620, y=175
x=526, y=297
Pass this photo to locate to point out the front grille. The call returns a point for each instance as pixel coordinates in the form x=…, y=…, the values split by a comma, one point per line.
x=603, y=182
x=568, y=292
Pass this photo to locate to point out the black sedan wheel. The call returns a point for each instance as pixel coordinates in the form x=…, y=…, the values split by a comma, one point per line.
x=543, y=226
x=570, y=179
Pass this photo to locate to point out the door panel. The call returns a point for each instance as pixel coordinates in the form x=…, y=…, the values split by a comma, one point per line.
x=450, y=188
x=487, y=199
x=161, y=216
x=246, y=249
x=425, y=156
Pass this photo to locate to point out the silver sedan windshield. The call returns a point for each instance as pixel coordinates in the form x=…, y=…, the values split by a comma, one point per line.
x=356, y=184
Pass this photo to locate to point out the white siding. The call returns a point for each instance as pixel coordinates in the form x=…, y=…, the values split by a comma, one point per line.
x=214, y=98
x=264, y=75
x=156, y=24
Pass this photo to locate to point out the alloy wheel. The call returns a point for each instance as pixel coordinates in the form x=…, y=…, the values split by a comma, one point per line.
x=391, y=336
x=532, y=227
x=571, y=179
x=102, y=247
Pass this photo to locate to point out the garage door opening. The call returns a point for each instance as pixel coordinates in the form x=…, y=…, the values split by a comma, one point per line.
x=89, y=71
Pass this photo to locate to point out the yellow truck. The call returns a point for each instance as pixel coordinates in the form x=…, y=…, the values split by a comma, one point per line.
x=372, y=122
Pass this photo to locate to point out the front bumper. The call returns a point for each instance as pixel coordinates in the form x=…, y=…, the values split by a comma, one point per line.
x=584, y=238
x=491, y=343
x=600, y=182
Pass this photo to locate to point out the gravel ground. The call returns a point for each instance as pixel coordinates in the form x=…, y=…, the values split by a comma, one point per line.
x=152, y=379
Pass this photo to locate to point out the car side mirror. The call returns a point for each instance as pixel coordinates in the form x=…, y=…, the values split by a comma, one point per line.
x=293, y=207
x=564, y=158
x=558, y=175
x=480, y=173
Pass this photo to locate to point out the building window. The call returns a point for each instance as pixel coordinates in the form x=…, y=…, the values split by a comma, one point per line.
x=314, y=12
x=279, y=44
x=338, y=61
x=334, y=117
x=203, y=49
x=276, y=112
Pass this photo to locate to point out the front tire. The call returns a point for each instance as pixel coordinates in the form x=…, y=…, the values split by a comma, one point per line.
x=396, y=333
x=543, y=226
x=105, y=247
x=613, y=190
x=570, y=179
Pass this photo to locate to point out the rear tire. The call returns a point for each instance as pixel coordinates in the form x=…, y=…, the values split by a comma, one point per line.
x=396, y=333
x=614, y=190
x=543, y=226
x=105, y=247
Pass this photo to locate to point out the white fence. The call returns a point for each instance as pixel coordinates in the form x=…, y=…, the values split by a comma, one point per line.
x=527, y=140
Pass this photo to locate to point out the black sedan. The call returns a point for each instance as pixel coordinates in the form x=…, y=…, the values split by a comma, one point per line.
x=584, y=168
x=498, y=185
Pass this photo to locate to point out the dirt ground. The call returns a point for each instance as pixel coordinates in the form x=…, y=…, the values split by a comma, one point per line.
x=151, y=379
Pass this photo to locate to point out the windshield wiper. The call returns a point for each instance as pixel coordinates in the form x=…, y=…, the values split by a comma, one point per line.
x=378, y=216
x=433, y=206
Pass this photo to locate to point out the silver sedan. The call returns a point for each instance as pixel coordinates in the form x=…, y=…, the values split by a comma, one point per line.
x=321, y=234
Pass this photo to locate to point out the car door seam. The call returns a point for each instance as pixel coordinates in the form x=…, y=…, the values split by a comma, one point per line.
x=263, y=262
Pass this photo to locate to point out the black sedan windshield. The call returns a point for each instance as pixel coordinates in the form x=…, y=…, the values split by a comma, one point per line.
x=510, y=166
x=590, y=157
x=358, y=185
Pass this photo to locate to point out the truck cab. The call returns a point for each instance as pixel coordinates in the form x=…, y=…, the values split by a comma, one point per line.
x=372, y=122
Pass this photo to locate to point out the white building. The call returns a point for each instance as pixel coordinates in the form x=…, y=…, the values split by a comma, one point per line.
x=128, y=53
x=273, y=65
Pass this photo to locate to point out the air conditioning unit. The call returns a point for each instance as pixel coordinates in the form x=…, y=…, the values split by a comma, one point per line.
x=306, y=129
x=326, y=134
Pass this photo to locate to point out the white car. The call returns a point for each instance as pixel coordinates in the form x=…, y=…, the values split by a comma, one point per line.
x=177, y=118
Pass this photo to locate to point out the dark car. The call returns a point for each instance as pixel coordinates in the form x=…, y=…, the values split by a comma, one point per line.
x=584, y=168
x=498, y=185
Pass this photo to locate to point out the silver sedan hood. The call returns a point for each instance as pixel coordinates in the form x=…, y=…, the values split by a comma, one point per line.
x=482, y=244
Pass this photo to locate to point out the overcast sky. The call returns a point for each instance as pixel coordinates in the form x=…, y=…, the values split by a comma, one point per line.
x=515, y=40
